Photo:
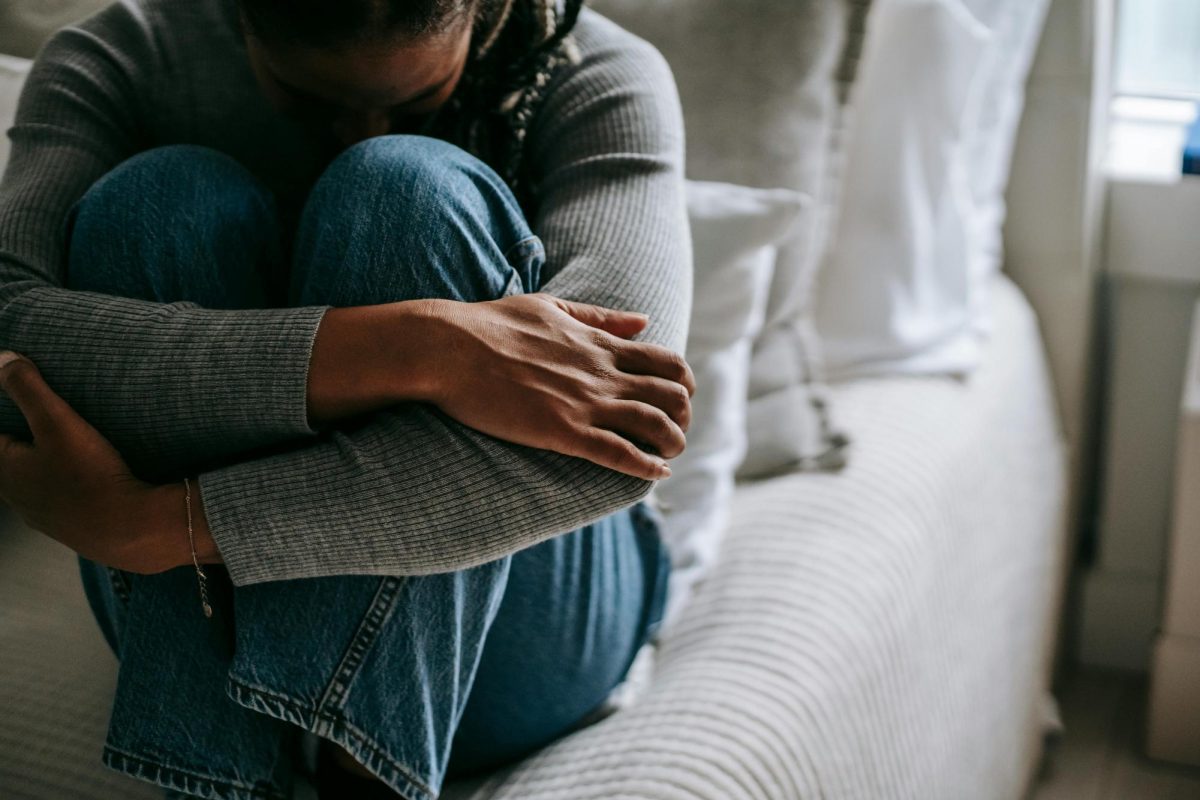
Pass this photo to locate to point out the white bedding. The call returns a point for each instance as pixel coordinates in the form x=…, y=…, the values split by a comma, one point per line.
x=875, y=634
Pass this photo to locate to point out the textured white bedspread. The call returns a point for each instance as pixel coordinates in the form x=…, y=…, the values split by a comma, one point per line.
x=876, y=634
x=882, y=633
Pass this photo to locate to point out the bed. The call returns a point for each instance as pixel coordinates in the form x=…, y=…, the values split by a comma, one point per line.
x=886, y=631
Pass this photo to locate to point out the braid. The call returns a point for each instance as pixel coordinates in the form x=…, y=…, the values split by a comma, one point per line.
x=494, y=28
x=532, y=75
x=519, y=47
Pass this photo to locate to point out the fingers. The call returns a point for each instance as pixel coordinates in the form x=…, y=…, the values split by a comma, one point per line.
x=646, y=424
x=640, y=358
x=671, y=397
x=38, y=403
x=619, y=323
x=615, y=452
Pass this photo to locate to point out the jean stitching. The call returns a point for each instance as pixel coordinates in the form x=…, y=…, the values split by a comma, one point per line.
x=260, y=689
x=368, y=630
x=360, y=742
x=272, y=704
x=181, y=779
x=330, y=725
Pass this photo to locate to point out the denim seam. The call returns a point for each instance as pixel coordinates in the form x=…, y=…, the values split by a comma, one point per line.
x=334, y=726
x=368, y=630
x=192, y=783
x=335, y=693
x=326, y=718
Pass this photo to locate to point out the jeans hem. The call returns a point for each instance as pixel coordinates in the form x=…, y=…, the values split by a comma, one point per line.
x=336, y=729
x=189, y=783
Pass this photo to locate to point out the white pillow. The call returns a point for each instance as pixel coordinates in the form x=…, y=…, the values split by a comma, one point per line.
x=904, y=288
x=12, y=77
x=734, y=230
x=894, y=294
x=1016, y=27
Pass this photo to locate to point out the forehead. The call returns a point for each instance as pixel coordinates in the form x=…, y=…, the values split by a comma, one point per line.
x=369, y=74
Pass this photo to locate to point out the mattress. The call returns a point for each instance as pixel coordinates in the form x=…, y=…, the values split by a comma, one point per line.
x=882, y=632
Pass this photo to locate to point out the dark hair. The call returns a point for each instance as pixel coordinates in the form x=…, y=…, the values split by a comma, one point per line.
x=325, y=23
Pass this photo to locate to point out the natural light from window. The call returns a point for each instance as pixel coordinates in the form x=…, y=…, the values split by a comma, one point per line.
x=1158, y=48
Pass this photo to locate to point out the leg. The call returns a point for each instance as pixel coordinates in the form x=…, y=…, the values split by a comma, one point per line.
x=172, y=224
x=383, y=667
x=292, y=657
x=405, y=217
x=392, y=218
x=408, y=217
x=576, y=610
x=176, y=223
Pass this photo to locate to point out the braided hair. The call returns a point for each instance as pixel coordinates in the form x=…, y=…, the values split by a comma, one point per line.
x=521, y=47
x=517, y=48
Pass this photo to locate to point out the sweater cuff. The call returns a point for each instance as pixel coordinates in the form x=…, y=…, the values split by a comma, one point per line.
x=222, y=495
x=273, y=350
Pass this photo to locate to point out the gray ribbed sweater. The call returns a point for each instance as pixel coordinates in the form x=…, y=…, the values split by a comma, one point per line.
x=178, y=388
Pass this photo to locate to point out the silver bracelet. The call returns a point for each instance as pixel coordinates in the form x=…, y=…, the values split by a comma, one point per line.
x=200, y=576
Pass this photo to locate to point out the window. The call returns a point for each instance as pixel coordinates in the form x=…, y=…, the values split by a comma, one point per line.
x=1158, y=48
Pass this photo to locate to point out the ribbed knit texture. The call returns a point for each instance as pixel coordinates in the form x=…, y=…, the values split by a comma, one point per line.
x=179, y=388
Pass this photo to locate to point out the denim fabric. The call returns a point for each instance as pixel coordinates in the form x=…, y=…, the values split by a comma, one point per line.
x=420, y=678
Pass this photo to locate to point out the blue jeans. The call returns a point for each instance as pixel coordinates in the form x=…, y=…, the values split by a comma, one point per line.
x=419, y=678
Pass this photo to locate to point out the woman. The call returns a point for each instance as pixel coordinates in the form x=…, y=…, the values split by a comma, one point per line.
x=347, y=294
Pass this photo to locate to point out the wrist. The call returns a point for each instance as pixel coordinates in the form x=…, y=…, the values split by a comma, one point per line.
x=427, y=354
x=161, y=540
x=164, y=543
x=366, y=358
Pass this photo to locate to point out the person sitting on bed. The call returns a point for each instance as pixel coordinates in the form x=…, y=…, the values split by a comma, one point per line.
x=342, y=345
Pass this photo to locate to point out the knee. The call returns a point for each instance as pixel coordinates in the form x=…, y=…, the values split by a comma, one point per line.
x=416, y=217
x=184, y=181
x=416, y=169
x=175, y=207
x=427, y=181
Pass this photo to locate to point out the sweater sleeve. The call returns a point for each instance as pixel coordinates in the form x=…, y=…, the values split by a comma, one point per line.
x=171, y=385
x=410, y=491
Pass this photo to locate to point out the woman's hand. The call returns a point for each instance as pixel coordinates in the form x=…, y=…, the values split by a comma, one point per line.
x=561, y=376
x=72, y=485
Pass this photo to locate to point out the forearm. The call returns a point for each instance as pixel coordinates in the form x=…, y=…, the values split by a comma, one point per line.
x=366, y=358
x=173, y=386
x=410, y=492
x=178, y=389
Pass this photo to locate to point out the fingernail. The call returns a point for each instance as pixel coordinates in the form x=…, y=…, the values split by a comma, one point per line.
x=7, y=357
x=663, y=470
